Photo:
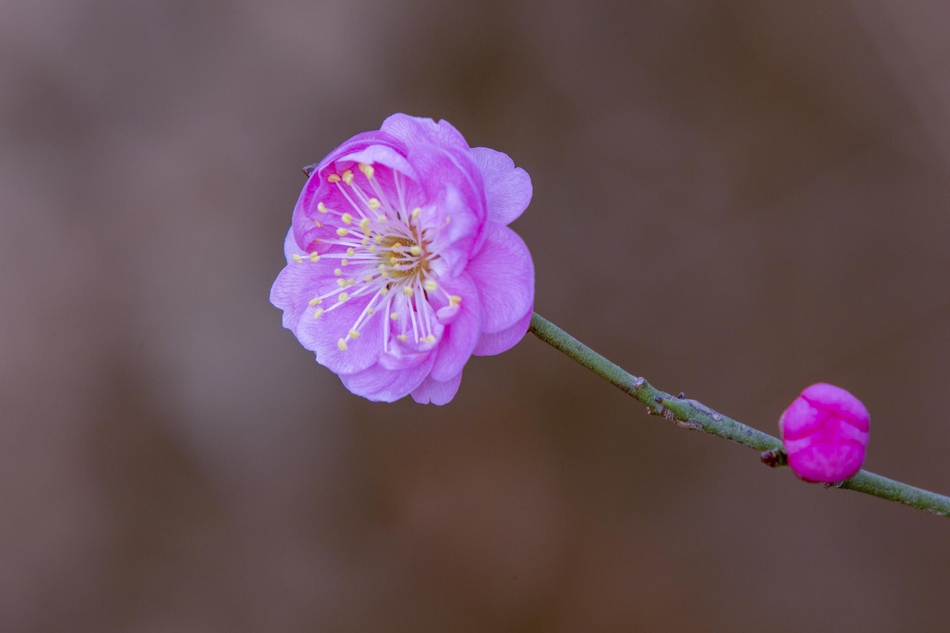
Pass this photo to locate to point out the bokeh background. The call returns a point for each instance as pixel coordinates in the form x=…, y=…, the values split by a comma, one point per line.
x=734, y=199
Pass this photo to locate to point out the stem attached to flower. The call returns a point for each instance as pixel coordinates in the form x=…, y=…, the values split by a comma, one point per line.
x=691, y=414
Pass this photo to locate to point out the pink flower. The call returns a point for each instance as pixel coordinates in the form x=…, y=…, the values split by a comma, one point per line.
x=400, y=264
x=825, y=432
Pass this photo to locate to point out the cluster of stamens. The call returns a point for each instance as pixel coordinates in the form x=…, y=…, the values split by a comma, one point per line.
x=387, y=254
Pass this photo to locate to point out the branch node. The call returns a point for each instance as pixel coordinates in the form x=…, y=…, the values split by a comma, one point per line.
x=774, y=458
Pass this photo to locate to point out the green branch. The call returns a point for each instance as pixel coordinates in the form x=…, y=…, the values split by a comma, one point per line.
x=694, y=415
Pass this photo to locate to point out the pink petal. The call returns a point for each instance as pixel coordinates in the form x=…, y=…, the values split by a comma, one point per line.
x=435, y=392
x=417, y=130
x=382, y=385
x=460, y=337
x=322, y=336
x=504, y=274
x=507, y=188
x=491, y=344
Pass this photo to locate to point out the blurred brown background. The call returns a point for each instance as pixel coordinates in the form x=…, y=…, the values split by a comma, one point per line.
x=735, y=199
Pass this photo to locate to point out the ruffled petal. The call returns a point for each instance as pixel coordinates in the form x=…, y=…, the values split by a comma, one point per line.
x=322, y=336
x=382, y=385
x=460, y=337
x=412, y=130
x=438, y=393
x=491, y=344
x=504, y=274
x=507, y=188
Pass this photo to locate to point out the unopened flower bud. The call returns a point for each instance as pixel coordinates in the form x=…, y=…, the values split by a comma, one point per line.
x=825, y=433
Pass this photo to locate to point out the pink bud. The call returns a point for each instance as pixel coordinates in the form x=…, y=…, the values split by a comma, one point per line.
x=825, y=432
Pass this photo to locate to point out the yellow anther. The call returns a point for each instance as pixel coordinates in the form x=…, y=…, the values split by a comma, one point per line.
x=380, y=218
x=350, y=252
x=347, y=218
x=333, y=178
x=384, y=291
x=319, y=225
x=430, y=285
x=315, y=301
x=297, y=258
x=415, y=250
x=353, y=334
x=364, y=241
x=454, y=300
x=364, y=225
x=415, y=213
x=378, y=238
x=317, y=314
x=447, y=219
x=322, y=208
x=370, y=312
x=373, y=203
x=381, y=267
x=314, y=257
x=430, y=338
x=337, y=271
x=406, y=290
x=367, y=170
x=343, y=297
x=372, y=249
x=344, y=262
x=342, y=345
x=394, y=316
x=384, y=274
x=368, y=278
x=341, y=283
x=350, y=282
x=342, y=232
x=393, y=260
x=403, y=338
x=348, y=177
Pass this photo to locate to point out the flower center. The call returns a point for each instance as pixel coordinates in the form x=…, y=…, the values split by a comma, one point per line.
x=385, y=252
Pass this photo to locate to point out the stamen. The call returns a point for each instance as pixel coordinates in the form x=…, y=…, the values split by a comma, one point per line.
x=350, y=252
x=415, y=213
x=314, y=257
x=353, y=334
x=342, y=232
x=337, y=271
x=343, y=297
x=342, y=345
x=348, y=177
x=367, y=170
x=316, y=315
x=322, y=208
x=297, y=258
x=347, y=218
x=344, y=262
x=394, y=316
x=333, y=178
x=315, y=301
x=406, y=290
x=373, y=204
x=430, y=285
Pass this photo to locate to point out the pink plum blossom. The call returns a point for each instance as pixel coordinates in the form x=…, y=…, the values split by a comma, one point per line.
x=825, y=432
x=400, y=262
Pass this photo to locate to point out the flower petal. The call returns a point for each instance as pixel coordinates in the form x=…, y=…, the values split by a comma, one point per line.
x=498, y=342
x=507, y=188
x=322, y=337
x=504, y=274
x=435, y=392
x=415, y=130
x=460, y=337
x=382, y=385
